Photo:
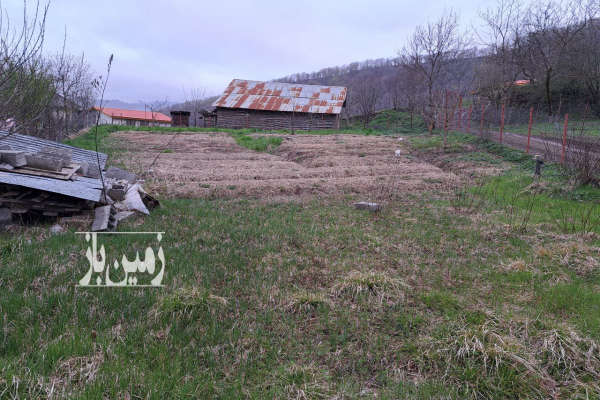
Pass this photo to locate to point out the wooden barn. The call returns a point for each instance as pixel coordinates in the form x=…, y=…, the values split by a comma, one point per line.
x=276, y=105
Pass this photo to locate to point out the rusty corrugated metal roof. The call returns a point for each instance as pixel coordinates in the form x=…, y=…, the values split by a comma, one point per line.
x=278, y=96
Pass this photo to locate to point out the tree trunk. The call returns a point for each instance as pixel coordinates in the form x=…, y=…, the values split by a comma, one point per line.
x=548, y=92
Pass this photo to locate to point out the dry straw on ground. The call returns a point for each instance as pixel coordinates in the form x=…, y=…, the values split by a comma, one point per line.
x=213, y=165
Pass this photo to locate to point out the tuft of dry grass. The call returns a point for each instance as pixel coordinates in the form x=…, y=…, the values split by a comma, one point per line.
x=543, y=362
x=305, y=301
x=187, y=300
x=371, y=283
x=300, y=382
x=74, y=372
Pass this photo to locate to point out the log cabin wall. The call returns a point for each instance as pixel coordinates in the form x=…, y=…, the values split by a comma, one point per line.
x=259, y=119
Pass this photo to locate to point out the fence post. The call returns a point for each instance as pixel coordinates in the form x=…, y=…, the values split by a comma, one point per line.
x=445, y=117
x=469, y=118
x=481, y=120
x=529, y=129
x=460, y=113
x=564, y=141
x=502, y=123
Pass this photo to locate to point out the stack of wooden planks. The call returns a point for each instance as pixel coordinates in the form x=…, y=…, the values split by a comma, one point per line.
x=22, y=200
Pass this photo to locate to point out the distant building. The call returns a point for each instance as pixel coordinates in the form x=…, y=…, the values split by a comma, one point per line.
x=180, y=118
x=276, y=105
x=117, y=116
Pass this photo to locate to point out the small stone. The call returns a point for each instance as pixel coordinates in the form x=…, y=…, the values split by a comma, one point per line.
x=398, y=153
x=363, y=205
x=117, y=193
x=56, y=228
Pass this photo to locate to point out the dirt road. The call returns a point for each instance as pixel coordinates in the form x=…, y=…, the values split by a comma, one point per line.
x=550, y=148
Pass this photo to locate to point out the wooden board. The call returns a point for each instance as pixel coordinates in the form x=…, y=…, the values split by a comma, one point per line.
x=65, y=174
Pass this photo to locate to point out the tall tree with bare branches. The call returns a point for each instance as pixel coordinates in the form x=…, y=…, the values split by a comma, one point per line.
x=365, y=95
x=550, y=29
x=429, y=53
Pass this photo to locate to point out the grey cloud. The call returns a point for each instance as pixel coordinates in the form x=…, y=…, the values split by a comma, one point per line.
x=164, y=47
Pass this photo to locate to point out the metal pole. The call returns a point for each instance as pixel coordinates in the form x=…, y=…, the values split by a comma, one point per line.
x=564, y=141
x=529, y=129
x=481, y=120
x=445, y=117
x=459, y=113
x=469, y=118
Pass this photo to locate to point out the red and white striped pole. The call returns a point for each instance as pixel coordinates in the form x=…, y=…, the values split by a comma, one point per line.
x=469, y=118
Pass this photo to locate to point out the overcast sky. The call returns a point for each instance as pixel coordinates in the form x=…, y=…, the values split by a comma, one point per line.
x=164, y=49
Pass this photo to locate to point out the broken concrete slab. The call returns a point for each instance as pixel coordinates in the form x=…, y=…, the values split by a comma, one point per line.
x=6, y=166
x=104, y=219
x=13, y=157
x=363, y=205
x=63, y=154
x=45, y=163
x=120, y=174
x=93, y=171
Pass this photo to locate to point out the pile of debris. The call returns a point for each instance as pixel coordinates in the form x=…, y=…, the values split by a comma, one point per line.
x=43, y=178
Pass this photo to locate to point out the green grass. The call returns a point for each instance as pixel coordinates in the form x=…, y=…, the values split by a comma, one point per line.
x=260, y=143
x=319, y=300
x=397, y=122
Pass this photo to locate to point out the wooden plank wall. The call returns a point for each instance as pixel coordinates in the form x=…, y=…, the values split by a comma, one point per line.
x=238, y=119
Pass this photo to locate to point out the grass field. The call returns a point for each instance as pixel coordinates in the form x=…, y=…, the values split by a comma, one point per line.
x=488, y=289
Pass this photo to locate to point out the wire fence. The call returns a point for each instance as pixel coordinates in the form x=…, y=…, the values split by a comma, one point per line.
x=563, y=136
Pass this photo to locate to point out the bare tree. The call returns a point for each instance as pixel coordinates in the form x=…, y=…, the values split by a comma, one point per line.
x=395, y=89
x=194, y=103
x=550, y=29
x=500, y=65
x=74, y=91
x=429, y=53
x=586, y=63
x=365, y=96
x=25, y=83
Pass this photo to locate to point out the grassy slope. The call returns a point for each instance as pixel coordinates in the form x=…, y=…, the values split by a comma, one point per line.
x=264, y=301
x=575, y=128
